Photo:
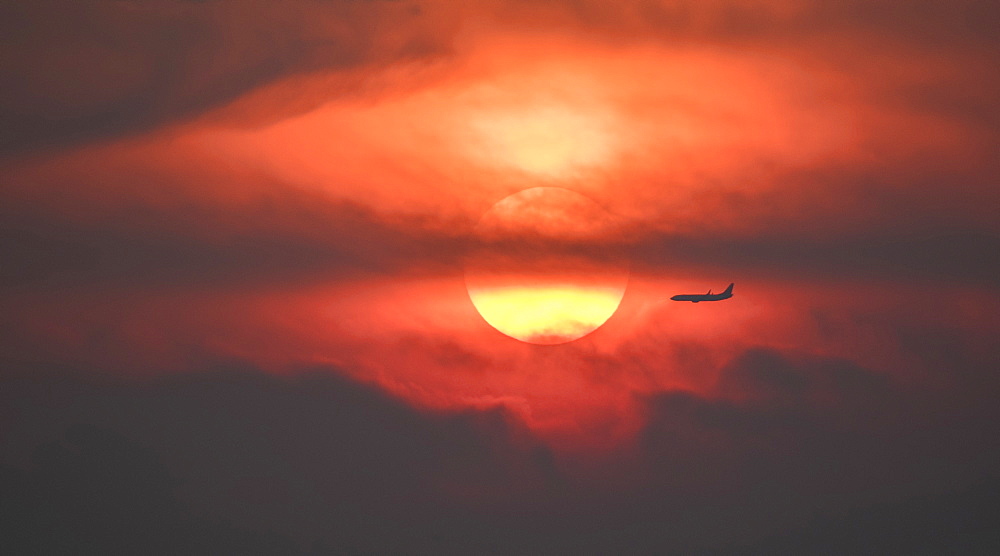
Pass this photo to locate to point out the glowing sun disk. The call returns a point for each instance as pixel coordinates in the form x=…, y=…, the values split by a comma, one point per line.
x=546, y=315
x=542, y=295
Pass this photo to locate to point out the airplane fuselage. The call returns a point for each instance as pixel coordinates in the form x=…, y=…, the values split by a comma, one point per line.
x=697, y=297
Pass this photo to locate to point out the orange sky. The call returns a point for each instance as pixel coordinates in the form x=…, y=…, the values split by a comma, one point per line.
x=322, y=214
x=247, y=240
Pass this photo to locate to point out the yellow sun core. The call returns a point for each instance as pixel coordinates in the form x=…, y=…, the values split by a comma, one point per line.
x=546, y=272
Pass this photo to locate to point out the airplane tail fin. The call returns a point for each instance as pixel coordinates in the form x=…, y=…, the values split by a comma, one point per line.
x=729, y=290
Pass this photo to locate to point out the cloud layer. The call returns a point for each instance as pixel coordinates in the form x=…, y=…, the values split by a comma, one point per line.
x=233, y=262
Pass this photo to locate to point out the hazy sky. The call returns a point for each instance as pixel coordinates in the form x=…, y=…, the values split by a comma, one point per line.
x=235, y=237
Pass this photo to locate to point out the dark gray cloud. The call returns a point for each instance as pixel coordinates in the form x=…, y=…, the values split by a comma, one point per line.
x=299, y=237
x=315, y=457
x=75, y=72
x=288, y=236
x=946, y=258
x=922, y=21
x=817, y=447
x=94, y=491
x=788, y=450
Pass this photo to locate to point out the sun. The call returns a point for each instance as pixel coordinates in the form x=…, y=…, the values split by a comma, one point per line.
x=547, y=269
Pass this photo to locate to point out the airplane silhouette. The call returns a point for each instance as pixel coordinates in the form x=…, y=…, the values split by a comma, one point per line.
x=696, y=297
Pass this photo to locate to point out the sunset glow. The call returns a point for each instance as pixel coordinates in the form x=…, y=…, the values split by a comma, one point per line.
x=550, y=140
x=402, y=276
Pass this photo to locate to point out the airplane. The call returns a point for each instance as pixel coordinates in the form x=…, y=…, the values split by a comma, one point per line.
x=696, y=297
